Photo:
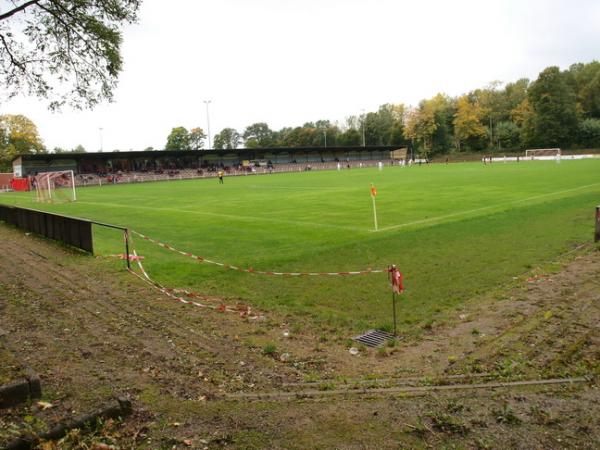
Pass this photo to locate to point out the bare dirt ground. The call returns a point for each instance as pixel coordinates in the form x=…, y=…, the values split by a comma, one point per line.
x=198, y=377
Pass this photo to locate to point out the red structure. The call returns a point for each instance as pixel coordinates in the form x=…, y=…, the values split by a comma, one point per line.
x=20, y=184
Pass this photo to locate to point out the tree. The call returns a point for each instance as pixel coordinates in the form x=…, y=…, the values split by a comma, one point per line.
x=467, y=124
x=18, y=136
x=420, y=126
x=589, y=133
x=196, y=138
x=62, y=50
x=553, y=101
x=179, y=139
x=79, y=149
x=587, y=86
x=507, y=134
x=258, y=135
x=228, y=138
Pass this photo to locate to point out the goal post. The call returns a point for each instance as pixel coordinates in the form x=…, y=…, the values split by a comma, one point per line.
x=543, y=152
x=55, y=187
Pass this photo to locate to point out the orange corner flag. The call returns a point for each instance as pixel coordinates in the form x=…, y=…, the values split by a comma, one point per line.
x=373, y=191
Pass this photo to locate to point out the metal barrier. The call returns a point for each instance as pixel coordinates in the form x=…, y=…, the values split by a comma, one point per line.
x=70, y=230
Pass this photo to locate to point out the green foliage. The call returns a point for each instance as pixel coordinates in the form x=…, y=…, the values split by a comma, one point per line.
x=178, y=139
x=258, y=135
x=18, y=136
x=228, y=138
x=553, y=101
x=269, y=349
x=64, y=51
x=79, y=149
x=507, y=134
x=589, y=133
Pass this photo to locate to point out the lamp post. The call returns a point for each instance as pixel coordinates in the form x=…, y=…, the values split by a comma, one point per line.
x=363, y=127
x=207, y=102
x=100, y=129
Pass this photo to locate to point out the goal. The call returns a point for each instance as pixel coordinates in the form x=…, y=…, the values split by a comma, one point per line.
x=537, y=152
x=55, y=187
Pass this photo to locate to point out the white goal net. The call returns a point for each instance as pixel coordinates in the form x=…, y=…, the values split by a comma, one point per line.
x=55, y=187
x=543, y=152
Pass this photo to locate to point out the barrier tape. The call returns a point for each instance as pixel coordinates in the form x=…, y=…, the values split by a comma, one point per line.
x=122, y=256
x=251, y=270
x=242, y=310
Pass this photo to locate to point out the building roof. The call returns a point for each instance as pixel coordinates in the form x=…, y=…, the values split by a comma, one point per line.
x=176, y=153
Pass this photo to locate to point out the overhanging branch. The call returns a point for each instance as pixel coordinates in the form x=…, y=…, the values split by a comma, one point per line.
x=20, y=8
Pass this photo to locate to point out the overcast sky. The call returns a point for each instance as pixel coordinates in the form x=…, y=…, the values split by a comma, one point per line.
x=287, y=62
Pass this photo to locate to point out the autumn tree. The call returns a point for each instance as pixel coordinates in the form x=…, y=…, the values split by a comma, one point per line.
x=196, y=138
x=18, y=136
x=420, y=126
x=62, y=50
x=468, y=129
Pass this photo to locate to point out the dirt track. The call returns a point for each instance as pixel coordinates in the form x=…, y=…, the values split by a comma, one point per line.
x=93, y=331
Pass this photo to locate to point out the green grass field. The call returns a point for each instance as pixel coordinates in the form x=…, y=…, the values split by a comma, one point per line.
x=455, y=231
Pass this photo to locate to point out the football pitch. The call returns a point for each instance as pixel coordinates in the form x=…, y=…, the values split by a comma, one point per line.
x=455, y=231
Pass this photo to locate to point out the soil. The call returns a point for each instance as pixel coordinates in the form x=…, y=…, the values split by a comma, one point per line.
x=93, y=332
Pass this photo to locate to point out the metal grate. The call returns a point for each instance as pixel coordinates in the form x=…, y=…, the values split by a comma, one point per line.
x=374, y=338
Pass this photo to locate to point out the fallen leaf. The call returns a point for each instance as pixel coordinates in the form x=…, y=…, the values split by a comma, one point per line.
x=44, y=405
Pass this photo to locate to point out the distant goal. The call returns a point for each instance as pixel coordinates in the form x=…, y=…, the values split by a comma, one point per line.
x=538, y=152
x=55, y=187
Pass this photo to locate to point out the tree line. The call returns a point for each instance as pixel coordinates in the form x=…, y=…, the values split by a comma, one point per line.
x=558, y=109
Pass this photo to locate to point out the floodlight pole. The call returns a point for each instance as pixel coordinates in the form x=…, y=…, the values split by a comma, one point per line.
x=363, y=127
x=207, y=102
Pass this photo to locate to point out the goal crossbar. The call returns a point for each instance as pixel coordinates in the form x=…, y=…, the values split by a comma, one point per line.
x=55, y=187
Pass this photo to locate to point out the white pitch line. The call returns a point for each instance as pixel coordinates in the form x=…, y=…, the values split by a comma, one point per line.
x=499, y=205
x=229, y=216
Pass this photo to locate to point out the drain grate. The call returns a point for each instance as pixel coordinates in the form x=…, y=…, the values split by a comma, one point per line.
x=374, y=338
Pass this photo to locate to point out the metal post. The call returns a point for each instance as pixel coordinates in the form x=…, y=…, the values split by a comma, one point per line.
x=207, y=102
x=394, y=304
x=597, y=235
x=126, y=234
x=363, y=129
x=73, y=182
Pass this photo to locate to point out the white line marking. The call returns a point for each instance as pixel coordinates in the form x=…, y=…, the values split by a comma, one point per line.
x=499, y=205
x=229, y=216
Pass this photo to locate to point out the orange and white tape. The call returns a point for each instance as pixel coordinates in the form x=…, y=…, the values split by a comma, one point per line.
x=253, y=271
x=242, y=310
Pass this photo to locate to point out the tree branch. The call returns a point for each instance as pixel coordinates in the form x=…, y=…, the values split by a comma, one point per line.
x=13, y=60
x=12, y=12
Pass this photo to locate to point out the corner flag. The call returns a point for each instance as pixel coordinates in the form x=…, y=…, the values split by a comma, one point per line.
x=373, y=195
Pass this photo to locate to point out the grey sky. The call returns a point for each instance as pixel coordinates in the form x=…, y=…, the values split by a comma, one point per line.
x=287, y=62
